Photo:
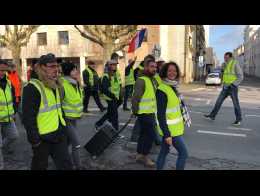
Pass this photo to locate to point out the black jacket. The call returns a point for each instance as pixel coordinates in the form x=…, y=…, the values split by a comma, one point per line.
x=3, y=82
x=85, y=75
x=105, y=84
x=30, y=107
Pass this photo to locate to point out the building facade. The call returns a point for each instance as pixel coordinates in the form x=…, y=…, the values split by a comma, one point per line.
x=178, y=43
x=251, y=65
x=239, y=55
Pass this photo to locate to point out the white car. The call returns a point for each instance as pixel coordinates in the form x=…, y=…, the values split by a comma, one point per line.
x=213, y=78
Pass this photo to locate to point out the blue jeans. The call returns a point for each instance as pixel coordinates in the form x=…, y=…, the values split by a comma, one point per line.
x=179, y=145
x=73, y=140
x=8, y=134
x=231, y=91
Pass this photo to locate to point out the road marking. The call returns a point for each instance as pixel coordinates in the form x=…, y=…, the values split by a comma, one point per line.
x=222, y=133
x=198, y=89
x=93, y=109
x=196, y=112
x=129, y=125
x=252, y=115
x=240, y=129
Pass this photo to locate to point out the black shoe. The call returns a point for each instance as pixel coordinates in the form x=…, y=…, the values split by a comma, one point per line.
x=207, y=116
x=126, y=109
x=237, y=123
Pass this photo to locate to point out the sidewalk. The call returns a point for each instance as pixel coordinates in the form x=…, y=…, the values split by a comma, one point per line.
x=251, y=81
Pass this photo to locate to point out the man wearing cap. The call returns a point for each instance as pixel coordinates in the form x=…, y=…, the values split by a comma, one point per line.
x=111, y=88
x=8, y=109
x=44, y=121
x=91, y=80
x=129, y=82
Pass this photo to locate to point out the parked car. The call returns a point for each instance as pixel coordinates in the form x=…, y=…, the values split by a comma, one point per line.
x=213, y=79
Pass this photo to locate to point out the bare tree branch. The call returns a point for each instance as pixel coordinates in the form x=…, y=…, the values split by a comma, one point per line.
x=83, y=34
x=107, y=36
x=16, y=36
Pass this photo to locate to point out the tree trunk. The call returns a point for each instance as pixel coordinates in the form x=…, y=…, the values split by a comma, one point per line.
x=108, y=50
x=16, y=54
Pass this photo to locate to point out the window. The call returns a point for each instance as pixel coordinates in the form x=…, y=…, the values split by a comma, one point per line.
x=63, y=37
x=42, y=39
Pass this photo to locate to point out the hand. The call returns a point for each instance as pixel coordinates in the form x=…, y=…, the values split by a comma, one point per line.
x=233, y=86
x=168, y=141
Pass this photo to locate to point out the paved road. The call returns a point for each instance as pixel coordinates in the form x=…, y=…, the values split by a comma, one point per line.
x=211, y=145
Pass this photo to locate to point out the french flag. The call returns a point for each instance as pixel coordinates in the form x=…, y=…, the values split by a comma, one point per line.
x=137, y=40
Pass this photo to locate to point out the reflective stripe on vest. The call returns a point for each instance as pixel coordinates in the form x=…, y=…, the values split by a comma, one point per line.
x=130, y=79
x=72, y=103
x=147, y=104
x=114, y=86
x=91, y=76
x=173, y=113
x=6, y=103
x=229, y=73
x=50, y=112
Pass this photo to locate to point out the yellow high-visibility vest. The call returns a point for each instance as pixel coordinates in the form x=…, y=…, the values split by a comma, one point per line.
x=72, y=104
x=50, y=112
x=173, y=112
x=6, y=103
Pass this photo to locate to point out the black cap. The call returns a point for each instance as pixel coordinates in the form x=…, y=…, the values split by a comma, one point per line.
x=67, y=67
x=48, y=58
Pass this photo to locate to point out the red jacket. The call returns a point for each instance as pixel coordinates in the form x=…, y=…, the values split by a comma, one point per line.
x=14, y=78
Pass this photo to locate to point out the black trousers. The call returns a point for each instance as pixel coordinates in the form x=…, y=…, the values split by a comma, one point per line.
x=90, y=92
x=128, y=93
x=111, y=115
x=147, y=133
x=59, y=153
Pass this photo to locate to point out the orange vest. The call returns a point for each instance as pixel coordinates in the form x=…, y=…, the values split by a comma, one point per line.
x=14, y=78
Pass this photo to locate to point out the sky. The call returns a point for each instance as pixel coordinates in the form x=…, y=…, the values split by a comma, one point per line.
x=225, y=38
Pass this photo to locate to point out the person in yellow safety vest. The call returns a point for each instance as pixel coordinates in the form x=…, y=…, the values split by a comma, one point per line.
x=171, y=122
x=8, y=108
x=91, y=86
x=232, y=77
x=139, y=72
x=129, y=82
x=159, y=63
x=144, y=107
x=43, y=116
x=72, y=105
x=111, y=89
